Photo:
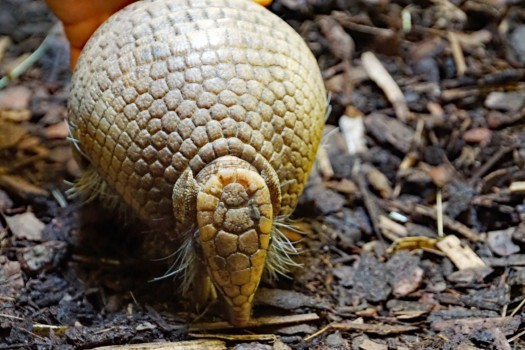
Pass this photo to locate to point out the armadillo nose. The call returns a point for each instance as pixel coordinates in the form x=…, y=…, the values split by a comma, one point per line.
x=234, y=215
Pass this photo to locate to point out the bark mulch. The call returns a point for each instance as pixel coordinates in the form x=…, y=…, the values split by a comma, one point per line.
x=414, y=213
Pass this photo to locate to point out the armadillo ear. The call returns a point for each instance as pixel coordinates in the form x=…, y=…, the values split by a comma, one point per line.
x=184, y=201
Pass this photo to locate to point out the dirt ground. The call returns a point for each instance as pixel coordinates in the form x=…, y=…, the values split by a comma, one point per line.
x=414, y=215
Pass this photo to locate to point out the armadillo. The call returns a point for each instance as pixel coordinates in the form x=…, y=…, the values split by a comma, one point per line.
x=204, y=118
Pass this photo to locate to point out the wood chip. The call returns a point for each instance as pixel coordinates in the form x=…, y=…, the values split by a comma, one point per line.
x=377, y=72
x=509, y=261
x=390, y=130
x=508, y=325
x=25, y=226
x=353, y=130
x=391, y=229
x=500, y=242
x=457, y=53
x=379, y=182
x=405, y=310
x=256, y=322
x=323, y=160
x=11, y=278
x=405, y=275
x=211, y=344
x=235, y=337
x=500, y=341
x=380, y=329
x=10, y=134
x=517, y=187
x=340, y=42
x=461, y=255
x=367, y=344
x=16, y=116
x=18, y=186
x=288, y=299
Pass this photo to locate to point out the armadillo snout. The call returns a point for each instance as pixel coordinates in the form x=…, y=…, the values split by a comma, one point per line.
x=234, y=216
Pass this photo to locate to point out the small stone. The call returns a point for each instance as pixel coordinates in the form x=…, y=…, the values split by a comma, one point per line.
x=505, y=101
x=517, y=39
x=500, y=242
x=477, y=135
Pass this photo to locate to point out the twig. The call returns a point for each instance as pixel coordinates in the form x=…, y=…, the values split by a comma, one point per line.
x=490, y=163
x=377, y=72
x=449, y=223
x=11, y=317
x=210, y=344
x=517, y=336
x=236, y=337
x=518, y=307
x=381, y=329
x=319, y=332
x=439, y=210
x=256, y=322
x=457, y=53
x=28, y=62
x=370, y=203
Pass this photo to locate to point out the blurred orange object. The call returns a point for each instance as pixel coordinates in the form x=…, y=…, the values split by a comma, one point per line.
x=82, y=17
x=263, y=2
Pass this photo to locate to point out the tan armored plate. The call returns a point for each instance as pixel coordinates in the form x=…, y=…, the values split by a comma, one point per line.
x=204, y=117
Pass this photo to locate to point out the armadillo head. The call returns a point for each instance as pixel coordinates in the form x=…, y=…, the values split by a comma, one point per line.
x=234, y=215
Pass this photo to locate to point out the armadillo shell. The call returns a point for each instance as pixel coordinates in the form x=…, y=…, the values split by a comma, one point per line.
x=168, y=84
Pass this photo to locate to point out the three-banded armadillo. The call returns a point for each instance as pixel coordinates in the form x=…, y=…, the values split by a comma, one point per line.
x=204, y=117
